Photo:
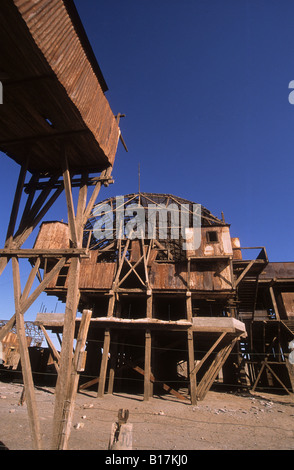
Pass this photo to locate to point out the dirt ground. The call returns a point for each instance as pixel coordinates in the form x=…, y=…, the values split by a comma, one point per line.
x=222, y=421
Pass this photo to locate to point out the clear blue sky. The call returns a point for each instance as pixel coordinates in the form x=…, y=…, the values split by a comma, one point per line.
x=204, y=86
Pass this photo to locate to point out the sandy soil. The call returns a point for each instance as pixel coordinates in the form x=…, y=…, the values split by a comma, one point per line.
x=223, y=421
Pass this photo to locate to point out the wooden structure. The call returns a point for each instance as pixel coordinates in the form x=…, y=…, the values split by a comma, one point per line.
x=157, y=305
x=56, y=123
x=266, y=306
x=156, y=302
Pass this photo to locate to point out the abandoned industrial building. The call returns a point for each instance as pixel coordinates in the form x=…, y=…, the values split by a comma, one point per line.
x=167, y=306
x=157, y=306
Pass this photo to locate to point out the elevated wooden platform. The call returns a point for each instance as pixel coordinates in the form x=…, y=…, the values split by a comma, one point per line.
x=215, y=339
x=53, y=90
x=55, y=322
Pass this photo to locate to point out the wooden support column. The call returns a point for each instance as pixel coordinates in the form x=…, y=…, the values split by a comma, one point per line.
x=274, y=302
x=113, y=360
x=149, y=304
x=65, y=364
x=33, y=213
x=104, y=364
x=147, y=367
x=209, y=377
x=25, y=361
x=191, y=363
x=14, y=214
x=26, y=301
x=63, y=384
x=78, y=365
x=16, y=203
x=191, y=356
x=76, y=226
x=111, y=304
x=54, y=352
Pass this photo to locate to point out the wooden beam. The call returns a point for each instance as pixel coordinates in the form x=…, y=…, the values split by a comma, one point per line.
x=65, y=364
x=31, y=279
x=69, y=202
x=243, y=274
x=16, y=203
x=29, y=221
x=149, y=305
x=132, y=269
x=51, y=346
x=200, y=363
x=274, y=302
x=104, y=176
x=189, y=312
x=164, y=386
x=209, y=377
x=104, y=364
x=191, y=365
x=76, y=368
x=14, y=212
x=147, y=367
x=27, y=302
x=111, y=305
x=277, y=378
x=112, y=364
x=25, y=361
x=121, y=262
x=82, y=201
x=44, y=253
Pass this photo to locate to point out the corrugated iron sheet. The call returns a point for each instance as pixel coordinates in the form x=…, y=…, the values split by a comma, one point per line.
x=278, y=270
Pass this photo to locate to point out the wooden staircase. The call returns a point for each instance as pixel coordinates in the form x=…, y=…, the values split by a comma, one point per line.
x=246, y=282
x=247, y=298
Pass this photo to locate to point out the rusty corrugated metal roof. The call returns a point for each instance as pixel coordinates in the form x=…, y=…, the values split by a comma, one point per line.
x=52, y=92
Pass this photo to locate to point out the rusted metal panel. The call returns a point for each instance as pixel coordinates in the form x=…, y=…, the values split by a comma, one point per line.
x=202, y=277
x=215, y=241
x=96, y=275
x=278, y=270
x=51, y=90
x=135, y=251
x=288, y=303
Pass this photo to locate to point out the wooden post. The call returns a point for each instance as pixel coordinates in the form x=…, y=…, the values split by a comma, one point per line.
x=62, y=390
x=192, y=373
x=111, y=304
x=16, y=203
x=54, y=352
x=191, y=356
x=25, y=361
x=14, y=213
x=147, y=367
x=149, y=304
x=273, y=297
x=189, y=306
x=78, y=365
x=210, y=375
x=113, y=360
x=104, y=364
x=65, y=363
x=121, y=433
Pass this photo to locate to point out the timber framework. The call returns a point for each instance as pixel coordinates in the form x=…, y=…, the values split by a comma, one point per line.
x=171, y=312
x=56, y=123
x=157, y=313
